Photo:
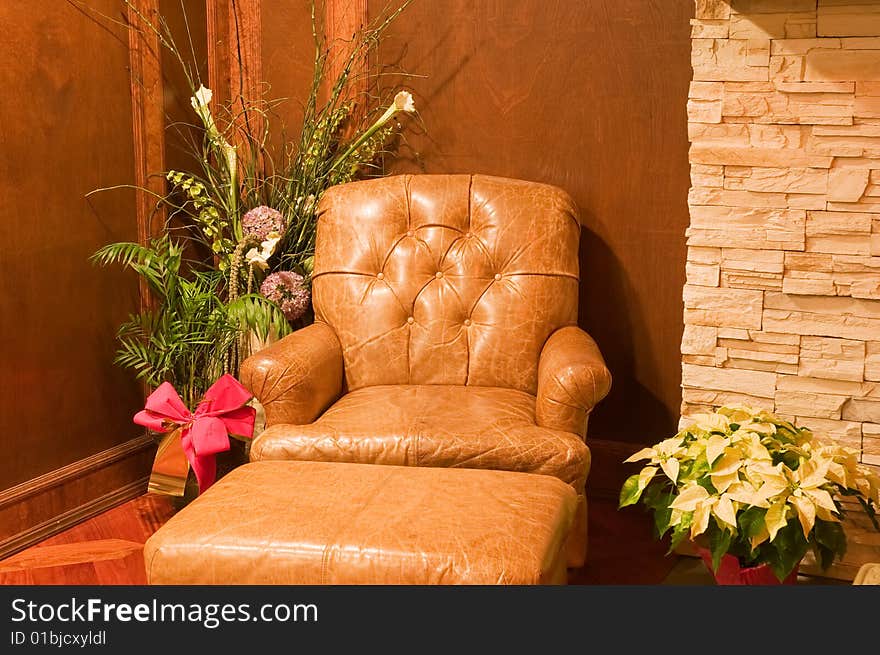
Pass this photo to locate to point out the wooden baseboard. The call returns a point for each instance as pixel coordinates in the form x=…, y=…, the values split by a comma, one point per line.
x=607, y=470
x=46, y=505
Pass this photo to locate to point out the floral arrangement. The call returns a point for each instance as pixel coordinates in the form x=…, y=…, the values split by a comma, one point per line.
x=744, y=482
x=232, y=268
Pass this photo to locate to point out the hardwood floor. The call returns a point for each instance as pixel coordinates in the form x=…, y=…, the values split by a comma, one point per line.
x=107, y=550
x=104, y=550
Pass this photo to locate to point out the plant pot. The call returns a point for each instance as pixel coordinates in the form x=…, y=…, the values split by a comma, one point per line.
x=730, y=573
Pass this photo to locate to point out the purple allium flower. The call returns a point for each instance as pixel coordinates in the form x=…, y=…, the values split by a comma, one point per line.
x=262, y=220
x=287, y=290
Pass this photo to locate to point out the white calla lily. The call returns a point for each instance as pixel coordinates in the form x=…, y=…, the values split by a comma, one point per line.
x=259, y=257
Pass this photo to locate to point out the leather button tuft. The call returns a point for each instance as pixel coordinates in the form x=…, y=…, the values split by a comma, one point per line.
x=410, y=233
x=410, y=320
x=438, y=274
x=497, y=276
x=467, y=322
x=381, y=276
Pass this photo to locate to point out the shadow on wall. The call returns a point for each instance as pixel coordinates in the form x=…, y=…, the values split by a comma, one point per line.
x=613, y=322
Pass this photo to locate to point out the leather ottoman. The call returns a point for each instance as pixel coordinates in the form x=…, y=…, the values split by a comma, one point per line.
x=288, y=522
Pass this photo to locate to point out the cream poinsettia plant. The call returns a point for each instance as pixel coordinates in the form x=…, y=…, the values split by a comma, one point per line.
x=745, y=482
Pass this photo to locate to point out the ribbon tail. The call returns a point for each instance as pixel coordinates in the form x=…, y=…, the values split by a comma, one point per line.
x=204, y=466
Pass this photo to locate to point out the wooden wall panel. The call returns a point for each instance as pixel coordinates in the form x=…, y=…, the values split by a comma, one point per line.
x=288, y=57
x=91, y=109
x=67, y=129
x=589, y=96
x=178, y=115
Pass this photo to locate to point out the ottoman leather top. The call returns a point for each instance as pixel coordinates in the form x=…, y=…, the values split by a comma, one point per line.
x=287, y=522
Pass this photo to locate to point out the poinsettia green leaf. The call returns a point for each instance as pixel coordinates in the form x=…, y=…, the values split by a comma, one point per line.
x=831, y=537
x=869, y=510
x=658, y=498
x=706, y=483
x=719, y=543
x=790, y=547
x=680, y=532
x=693, y=469
x=751, y=521
x=630, y=492
x=823, y=554
x=662, y=517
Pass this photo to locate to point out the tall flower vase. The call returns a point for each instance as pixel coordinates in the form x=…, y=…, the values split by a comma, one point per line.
x=730, y=573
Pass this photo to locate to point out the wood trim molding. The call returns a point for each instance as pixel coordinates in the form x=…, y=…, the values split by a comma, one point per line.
x=235, y=59
x=62, y=475
x=342, y=20
x=246, y=64
x=217, y=12
x=148, y=123
x=29, y=511
x=235, y=51
x=37, y=533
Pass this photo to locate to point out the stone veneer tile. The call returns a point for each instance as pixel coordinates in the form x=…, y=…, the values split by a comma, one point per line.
x=841, y=65
x=767, y=157
x=803, y=384
x=858, y=409
x=705, y=275
x=724, y=59
x=850, y=19
x=809, y=323
x=816, y=405
x=846, y=433
x=772, y=6
x=717, y=306
x=748, y=259
x=754, y=383
x=836, y=359
x=847, y=184
x=709, y=29
x=871, y=443
x=699, y=340
x=872, y=360
x=755, y=228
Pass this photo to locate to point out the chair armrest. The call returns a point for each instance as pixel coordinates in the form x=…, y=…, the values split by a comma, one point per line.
x=298, y=377
x=572, y=379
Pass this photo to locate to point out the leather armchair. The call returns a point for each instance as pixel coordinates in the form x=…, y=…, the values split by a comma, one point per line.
x=445, y=335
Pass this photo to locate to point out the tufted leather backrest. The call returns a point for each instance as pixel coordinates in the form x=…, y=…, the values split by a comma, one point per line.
x=445, y=279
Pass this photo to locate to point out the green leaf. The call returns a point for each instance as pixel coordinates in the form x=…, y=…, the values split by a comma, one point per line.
x=719, y=543
x=630, y=492
x=680, y=532
x=790, y=547
x=658, y=498
x=751, y=521
x=831, y=540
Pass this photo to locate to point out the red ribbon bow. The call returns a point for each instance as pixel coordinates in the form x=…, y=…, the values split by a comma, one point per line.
x=206, y=431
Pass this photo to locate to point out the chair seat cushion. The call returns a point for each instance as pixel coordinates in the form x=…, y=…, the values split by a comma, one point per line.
x=432, y=425
x=322, y=523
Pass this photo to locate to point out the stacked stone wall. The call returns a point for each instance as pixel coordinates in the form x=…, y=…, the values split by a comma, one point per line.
x=782, y=300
